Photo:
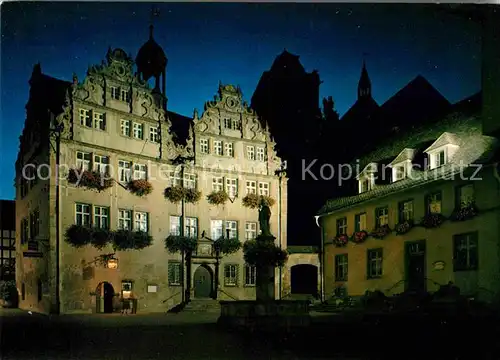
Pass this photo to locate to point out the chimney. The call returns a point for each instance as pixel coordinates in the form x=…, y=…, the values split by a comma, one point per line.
x=490, y=69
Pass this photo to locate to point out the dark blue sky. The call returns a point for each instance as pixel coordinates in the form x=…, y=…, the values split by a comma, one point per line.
x=235, y=43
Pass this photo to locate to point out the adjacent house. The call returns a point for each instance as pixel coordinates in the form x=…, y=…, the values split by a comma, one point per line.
x=425, y=213
x=7, y=239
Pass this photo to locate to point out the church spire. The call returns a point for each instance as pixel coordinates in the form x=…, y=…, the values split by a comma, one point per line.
x=364, y=85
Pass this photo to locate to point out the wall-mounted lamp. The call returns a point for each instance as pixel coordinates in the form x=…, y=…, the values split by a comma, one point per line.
x=112, y=263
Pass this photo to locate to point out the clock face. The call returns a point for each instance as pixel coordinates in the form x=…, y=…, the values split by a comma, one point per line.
x=231, y=102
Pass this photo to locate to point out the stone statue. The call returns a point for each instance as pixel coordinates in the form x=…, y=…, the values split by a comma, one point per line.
x=264, y=216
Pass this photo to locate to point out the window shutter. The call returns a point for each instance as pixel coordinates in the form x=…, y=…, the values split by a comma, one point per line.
x=103, y=124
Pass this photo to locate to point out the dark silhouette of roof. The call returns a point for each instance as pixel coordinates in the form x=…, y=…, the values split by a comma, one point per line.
x=417, y=102
x=287, y=62
x=7, y=215
x=180, y=127
x=151, y=59
x=469, y=105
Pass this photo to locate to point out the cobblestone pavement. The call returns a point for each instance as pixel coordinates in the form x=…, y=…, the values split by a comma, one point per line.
x=196, y=336
x=116, y=336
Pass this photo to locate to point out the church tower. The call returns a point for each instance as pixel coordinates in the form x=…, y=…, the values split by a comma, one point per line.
x=364, y=84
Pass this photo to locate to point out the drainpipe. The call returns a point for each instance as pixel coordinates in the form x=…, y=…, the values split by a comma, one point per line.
x=56, y=131
x=321, y=259
x=279, y=238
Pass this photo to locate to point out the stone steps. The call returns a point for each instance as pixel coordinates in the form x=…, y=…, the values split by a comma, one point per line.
x=202, y=305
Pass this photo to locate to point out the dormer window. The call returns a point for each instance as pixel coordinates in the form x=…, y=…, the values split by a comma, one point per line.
x=399, y=172
x=440, y=158
x=366, y=179
x=366, y=184
x=442, y=150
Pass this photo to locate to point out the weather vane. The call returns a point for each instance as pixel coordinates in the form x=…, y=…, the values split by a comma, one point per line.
x=155, y=12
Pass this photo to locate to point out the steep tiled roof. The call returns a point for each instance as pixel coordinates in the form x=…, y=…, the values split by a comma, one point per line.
x=180, y=127
x=445, y=139
x=464, y=130
x=406, y=154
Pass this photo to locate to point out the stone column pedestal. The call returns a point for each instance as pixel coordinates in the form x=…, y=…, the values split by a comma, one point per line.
x=265, y=277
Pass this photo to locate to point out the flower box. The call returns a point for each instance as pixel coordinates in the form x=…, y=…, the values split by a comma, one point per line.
x=381, y=232
x=227, y=246
x=174, y=194
x=131, y=240
x=269, y=201
x=359, y=236
x=140, y=187
x=430, y=221
x=78, y=235
x=341, y=240
x=90, y=179
x=403, y=227
x=466, y=212
x=251, y=201
x=192, y=195
x=217, y=198
x=178, y=244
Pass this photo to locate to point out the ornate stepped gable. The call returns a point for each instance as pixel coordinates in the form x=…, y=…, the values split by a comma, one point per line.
x=228, y=105
x=118, y=69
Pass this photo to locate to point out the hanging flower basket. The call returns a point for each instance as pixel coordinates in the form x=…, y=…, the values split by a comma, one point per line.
x=403, y=227
x=359, y=237
x=381, y=232
x=140, y=187
x=131, y=240
x=269, y=201
x=466, y=212
x=178, y=244
x=78, y=235
x=431, y=221
x=217, y=197
x=251, y=201
x=192, y=195
x=264, y=253
x=341, y=240
x=101, y=238
x=89, y=179
x=174, y=194
x=227, y=246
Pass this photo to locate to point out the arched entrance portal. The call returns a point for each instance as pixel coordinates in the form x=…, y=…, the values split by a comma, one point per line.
x=304, y=279
x=104, y=298
x=203, y=281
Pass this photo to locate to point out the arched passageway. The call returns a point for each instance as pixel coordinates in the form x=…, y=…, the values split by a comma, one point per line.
x=304, y=279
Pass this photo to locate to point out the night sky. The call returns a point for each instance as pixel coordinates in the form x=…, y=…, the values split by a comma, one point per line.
x=234, y=43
